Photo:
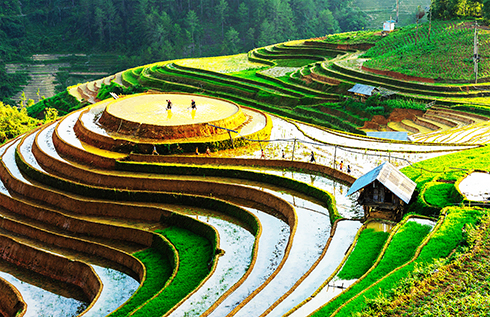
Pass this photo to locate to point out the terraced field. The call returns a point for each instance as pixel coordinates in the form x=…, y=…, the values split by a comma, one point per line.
x=255, y=226
x=87, y=216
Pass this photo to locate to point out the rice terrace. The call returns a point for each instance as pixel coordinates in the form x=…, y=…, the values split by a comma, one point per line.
x=345, y=175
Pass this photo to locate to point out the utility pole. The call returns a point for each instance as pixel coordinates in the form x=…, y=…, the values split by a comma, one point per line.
x=430, y=19
x=397, y=9
x=476, y=57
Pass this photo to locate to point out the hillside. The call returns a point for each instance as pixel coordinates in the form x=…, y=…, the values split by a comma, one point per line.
x=141, y=32
x=380, y=11
x=237, y=206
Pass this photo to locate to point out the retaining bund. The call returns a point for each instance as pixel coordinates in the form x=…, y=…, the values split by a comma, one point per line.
x=426, y=124
x=67, y=242
x=128, y=184
x=71, y=204
x=344, y=47
x=467, y=114
x=126, y=144
x=312, y=268
x=324, y=79
x=138, y=183
x=11, y=301
x=449, y=115
x=76, y=153
x=79, y=206
x=398, y=75
x=441, y=120
x=199, y=160
x=72, y=272
x=409, y=127
x=152, y=131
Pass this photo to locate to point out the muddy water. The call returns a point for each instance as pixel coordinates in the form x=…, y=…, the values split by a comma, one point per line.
x=312, y=232
x=270, y=251
x=358, y=141
x=380, y=226
x=66, y=133
x=347, y=206
x=424, y=221
x=343, y=238
x=151, y=109
x=44, y=297
x=329, y=292
x=284, y=133
x=89, y=119
x=116, y=289
x=237, y=244
x=476, y=186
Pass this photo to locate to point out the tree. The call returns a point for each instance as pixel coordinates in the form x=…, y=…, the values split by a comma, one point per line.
x=243, y=17
x=250, y=39
x=14, y=122
x=192, y=22
x=99, y=24
x=486, y=10
x=327, y=23
x=222, y=13
x=231, y=42
x=266, y=34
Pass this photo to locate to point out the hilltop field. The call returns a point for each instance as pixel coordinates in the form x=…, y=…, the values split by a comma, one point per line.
x=254, y=221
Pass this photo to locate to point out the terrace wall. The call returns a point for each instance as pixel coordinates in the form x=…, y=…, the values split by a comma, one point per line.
x=50, y=265
x=344, y=47
x=338, y=175
x=11, y=302
x=398, y=75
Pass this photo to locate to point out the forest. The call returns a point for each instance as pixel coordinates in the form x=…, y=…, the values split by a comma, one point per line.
x=457, y=9
x=145, y=31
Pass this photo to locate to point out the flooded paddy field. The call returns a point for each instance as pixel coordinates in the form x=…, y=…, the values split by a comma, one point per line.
x=271, y=271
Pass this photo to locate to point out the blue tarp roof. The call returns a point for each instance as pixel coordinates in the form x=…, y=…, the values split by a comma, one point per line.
x=390, y=177
x=362, y=89
x=400, y=136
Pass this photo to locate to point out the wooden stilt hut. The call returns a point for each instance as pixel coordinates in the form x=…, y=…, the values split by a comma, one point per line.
x=384, y=192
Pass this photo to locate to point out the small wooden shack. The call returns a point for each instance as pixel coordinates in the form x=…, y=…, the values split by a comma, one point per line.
x=389, y=26
x=384, y=192
x=362, y=92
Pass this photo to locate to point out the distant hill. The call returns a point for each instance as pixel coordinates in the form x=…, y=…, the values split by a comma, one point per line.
x=380, y=11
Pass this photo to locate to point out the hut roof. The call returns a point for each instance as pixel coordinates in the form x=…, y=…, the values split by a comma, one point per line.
x=367, y=90
x=390, y=177
x=362, y=89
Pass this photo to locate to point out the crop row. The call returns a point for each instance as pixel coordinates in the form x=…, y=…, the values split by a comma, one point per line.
x=366, y=251
x=447, y=56
x=159, y=266
x=195, y=253
x=261, y=100
x=400, y=250
x=289, y=183
x=442, y=241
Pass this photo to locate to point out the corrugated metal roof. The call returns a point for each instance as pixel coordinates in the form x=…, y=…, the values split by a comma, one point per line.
x=393, y=135
x=362, y=89
x=389, y=176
